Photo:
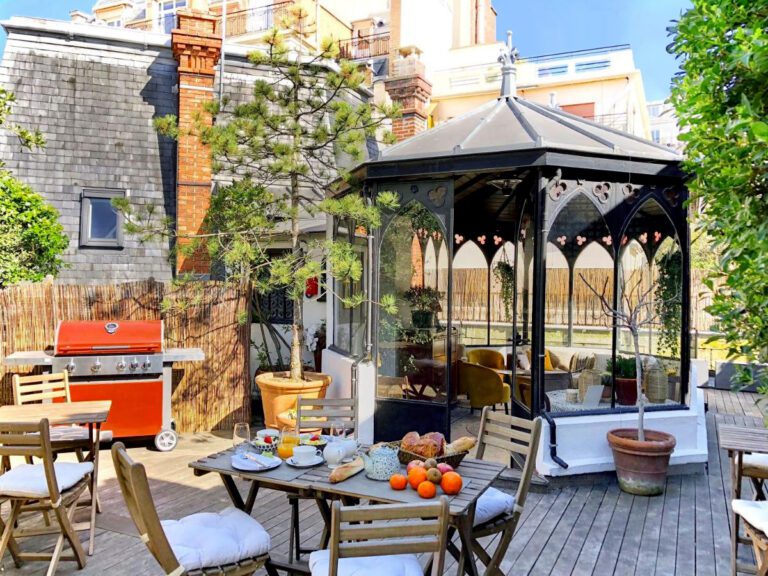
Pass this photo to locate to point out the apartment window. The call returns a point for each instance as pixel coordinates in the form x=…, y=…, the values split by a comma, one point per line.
x=167, y=14
x=101, y=226
x=592, y=65
x=656, y=136
x=553, y=70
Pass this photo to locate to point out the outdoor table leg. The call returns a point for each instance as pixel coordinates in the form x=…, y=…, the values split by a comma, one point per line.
x=325, y=512
x=234, y=493
x=467, y=557
x=253, y=491
x=96, y=438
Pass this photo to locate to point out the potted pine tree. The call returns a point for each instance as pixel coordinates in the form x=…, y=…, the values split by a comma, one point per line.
x=641, y=456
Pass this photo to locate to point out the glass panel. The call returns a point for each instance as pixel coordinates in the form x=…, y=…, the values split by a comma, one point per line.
x=470, y=294
x=650, y=275
x=104, y=220
x=502, y=295
x=412, y=342
x=521, y=391
x=578, y=336
x=349, y=324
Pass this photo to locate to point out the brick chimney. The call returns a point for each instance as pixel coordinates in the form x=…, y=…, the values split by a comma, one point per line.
x=197, y=49
x=408, y=86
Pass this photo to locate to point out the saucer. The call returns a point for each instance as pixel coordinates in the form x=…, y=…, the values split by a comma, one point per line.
x=248, y=465
x=313, y=462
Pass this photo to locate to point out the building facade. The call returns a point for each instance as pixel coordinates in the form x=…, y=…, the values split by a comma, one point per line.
x=663, y=124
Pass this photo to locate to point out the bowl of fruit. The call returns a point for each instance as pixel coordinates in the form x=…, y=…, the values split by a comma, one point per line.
x=267, y=443
x=317, y=440
x=428, y=478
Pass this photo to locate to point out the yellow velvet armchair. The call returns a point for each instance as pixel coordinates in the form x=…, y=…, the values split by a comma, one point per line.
x=487, y=358
x=483, y=386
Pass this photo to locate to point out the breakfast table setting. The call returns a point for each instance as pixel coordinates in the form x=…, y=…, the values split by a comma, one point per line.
x=323, y=467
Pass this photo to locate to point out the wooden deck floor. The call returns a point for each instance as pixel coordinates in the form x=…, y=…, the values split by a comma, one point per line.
x=585, y=528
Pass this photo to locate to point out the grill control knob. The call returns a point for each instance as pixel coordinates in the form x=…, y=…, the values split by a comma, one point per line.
x=121, y=366
x=134, y=365
x=146, y=365
x=70, y=367
x=96, y=367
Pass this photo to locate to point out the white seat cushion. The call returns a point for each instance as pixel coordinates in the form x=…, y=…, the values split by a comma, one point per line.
x=755, y=465
x=28, y=480
x=207, y=539
x=76, y=434
x=754, y=512
x=398, y=565
x=492, y=503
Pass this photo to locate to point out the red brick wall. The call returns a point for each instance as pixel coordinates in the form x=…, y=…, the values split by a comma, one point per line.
x=197, y=50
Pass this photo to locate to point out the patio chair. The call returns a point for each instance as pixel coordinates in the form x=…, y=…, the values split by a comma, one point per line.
x=755, y=518
x=385, y=537
x=484, y=386
x=497, y=511
x=755, y=467
x=229, y=542
x=313, y=414
x=49, y=487
x=487, y=358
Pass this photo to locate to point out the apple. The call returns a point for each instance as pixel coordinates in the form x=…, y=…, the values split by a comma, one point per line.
x=443, y=467
x=414, y=464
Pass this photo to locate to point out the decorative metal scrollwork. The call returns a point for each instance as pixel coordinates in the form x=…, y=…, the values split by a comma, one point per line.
x=672, y=195
x=437, y=196
x=556, y=187
x=630, y=193
x=602, y=191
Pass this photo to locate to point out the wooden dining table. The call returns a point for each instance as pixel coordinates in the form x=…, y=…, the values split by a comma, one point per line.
x=91, y=414
x=314, y=482
x=740, y=440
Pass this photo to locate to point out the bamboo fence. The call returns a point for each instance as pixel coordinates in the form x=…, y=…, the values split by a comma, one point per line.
x=207, y=395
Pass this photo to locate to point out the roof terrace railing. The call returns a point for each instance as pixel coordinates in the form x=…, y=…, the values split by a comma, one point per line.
x=255, y=20
x=577, y=53
x=364, y=47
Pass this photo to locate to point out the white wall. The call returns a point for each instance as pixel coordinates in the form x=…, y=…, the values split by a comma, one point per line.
x=340, y=369
x=427, y=24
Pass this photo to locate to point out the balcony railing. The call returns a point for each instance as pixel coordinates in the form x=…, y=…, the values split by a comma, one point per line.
x=364, y=47
x=255, y=20
x=162, y=24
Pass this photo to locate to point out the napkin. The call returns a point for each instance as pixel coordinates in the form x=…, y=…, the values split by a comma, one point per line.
x=260, y=459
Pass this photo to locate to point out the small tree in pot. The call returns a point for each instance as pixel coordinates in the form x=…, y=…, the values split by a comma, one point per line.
x=641, y=456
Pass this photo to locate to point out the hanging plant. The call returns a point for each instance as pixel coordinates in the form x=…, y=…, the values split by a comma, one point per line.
x=505, y=272
x=668, y=303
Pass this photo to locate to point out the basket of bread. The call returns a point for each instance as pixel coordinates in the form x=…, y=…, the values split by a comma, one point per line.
x=414, y=446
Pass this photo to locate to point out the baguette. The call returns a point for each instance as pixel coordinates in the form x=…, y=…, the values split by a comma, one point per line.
x=347, y=470
x=463, y=444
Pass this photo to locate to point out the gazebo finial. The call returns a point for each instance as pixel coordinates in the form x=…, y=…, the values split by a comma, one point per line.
x=507, y=59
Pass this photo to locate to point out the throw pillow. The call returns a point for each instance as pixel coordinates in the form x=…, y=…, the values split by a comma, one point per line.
x=548, y=367
x=522, y=361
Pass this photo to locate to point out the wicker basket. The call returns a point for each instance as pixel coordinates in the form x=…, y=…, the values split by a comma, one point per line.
x=656, y=385
x=587, y=378
x=406, y=457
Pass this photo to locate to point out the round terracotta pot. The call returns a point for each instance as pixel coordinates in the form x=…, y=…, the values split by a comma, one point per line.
x=278, y=392
x=641, y=467
x=626, y=391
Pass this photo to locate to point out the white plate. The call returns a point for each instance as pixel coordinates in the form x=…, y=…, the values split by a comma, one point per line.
x=313, y=462
x=247, y=465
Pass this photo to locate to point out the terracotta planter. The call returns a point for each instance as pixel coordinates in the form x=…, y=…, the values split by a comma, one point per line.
x=626, y=391
x=278, y=393
x=641, y=467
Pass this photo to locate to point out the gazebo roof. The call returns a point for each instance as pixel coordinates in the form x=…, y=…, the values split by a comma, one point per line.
x=511, y=123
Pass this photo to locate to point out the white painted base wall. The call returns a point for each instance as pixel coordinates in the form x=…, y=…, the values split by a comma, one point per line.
x=340, y=369
x=581, y=440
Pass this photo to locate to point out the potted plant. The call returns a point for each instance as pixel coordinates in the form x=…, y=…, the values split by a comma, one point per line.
x=424, y=302
x=641, y=456
x=624, y=370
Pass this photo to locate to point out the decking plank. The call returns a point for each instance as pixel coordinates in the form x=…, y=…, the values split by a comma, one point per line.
x=667, y=552
x=594, y=541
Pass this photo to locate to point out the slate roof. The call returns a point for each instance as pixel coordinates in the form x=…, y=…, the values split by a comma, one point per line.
x=513, y=123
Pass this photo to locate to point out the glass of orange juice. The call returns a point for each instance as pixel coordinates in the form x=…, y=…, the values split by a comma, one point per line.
x=288, y=439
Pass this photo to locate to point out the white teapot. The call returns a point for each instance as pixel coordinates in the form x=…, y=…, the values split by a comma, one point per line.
x=334, y=453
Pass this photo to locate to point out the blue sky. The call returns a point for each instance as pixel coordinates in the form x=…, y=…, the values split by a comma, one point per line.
x=540, y=27
x=549, y=26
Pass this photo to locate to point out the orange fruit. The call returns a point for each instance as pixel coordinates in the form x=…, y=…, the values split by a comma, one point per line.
x=426, y=489
x=416, y=476
x=451, y=483
x=398, y=482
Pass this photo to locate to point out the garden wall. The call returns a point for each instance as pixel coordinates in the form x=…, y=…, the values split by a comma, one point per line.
x=207, y=395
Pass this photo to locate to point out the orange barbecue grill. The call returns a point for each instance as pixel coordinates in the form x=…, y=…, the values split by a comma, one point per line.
x=122, y=361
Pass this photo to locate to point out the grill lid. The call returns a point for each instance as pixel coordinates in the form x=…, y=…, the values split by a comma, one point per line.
x=80, y=338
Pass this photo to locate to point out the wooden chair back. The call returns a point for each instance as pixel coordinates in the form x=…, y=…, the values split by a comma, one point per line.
x=389, y=529
x=314, y=413
x=132, y=478
x=31, y=440
x=517, y=437
x=40, y=388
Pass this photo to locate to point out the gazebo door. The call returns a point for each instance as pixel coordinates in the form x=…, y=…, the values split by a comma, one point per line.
x=416, y=347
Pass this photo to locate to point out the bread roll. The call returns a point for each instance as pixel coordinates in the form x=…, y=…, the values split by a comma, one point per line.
x=347, y=470
x=409, y=441
x=439, y=440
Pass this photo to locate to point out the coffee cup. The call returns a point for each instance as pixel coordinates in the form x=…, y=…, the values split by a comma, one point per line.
x=305, y=454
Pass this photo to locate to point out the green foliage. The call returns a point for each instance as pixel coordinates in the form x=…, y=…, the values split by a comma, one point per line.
x=30, y=139
x=31, y=237
x=626, y=367
x=722, y=105
x=505, y=272
x=423, y=298
x=667, y=300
